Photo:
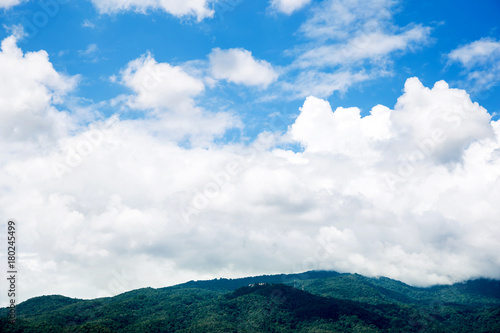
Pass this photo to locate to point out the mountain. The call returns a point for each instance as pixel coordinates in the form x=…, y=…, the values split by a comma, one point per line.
x=319, y=302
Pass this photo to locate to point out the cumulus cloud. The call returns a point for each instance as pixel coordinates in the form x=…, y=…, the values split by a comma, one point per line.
x=426, y=118
x=480, y=60
x=166, y=94
x=239, y=66
x=180, y=8
x=289, y=6
x=405, y=173
x=54, y=149
x=29, y=88
x=342, y=132
x=427, y=125
x=409, y=192
x=159, y=85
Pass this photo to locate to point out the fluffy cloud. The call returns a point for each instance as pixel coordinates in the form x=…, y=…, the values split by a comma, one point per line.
x=288, y=6
x=29, y=88
x=342, y=132
x=159, y=85
x=406, y=179
x=197, y=8
x=442, y=122
x=239, y=66
x=167, y=95
x=427, y=125
x=480, y=60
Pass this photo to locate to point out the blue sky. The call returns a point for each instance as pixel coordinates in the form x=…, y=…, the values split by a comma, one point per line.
x=269, y=34
x=208, y=138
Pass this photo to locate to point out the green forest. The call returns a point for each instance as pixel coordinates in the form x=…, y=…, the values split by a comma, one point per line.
x=307, y=302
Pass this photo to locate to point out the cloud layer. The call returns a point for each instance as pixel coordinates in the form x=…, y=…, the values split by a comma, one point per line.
x=410, y=192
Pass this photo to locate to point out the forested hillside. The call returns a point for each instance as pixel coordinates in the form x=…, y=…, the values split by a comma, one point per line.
x=330, y=302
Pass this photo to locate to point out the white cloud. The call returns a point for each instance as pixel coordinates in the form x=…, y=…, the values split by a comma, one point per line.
x=239, y=66
x=480, y=60
x=478, y=52
x=410, y=170
x=289, y=6
x=342, y=132
x=410, y=193
x=9, y=3
x=28, y=90
x=442, y=118
x=437, y=125
x=159, y=85
x=181, y=8
x=167, y=95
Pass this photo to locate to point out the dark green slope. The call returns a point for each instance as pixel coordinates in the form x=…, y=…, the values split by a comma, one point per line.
x=232, y=284
x=303, y=306
x=331, y=302
x=40, y=305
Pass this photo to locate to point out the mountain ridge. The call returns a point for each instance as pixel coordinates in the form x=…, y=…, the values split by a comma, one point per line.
x=329, y=301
